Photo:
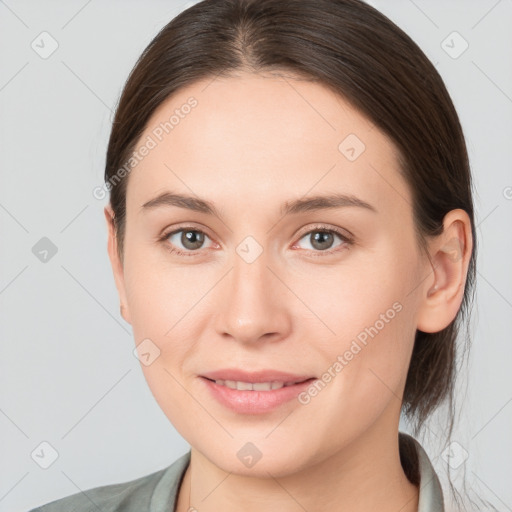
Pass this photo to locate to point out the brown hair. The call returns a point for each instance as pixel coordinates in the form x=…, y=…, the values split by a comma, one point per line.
x=360, y=54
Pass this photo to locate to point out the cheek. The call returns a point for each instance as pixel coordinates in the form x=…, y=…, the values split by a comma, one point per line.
x=369, y=311
x=164, y=305
x=161, y=295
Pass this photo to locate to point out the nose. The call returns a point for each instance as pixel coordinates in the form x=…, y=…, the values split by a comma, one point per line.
x=253, y=303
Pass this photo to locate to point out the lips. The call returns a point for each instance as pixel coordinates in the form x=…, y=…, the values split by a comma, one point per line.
x=259, y=393
x=260, y=376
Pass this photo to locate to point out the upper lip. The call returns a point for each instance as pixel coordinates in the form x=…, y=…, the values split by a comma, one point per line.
x=258, y=376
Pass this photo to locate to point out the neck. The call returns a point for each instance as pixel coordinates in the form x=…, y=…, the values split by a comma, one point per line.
x=364, y=475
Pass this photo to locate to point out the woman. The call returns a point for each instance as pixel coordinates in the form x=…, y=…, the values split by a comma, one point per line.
x=292, y=238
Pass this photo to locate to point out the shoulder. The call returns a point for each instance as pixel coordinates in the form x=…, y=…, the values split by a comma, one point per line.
x=153, y=492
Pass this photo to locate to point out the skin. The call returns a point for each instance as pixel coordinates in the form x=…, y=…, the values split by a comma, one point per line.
x=252, y=143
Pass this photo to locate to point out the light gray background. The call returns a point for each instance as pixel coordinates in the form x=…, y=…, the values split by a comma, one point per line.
x=68, y=375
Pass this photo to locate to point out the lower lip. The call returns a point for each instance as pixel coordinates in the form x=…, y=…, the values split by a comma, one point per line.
x=254, y=402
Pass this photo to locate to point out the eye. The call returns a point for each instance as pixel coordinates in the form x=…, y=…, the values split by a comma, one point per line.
x=322, y=238
x=190, y=238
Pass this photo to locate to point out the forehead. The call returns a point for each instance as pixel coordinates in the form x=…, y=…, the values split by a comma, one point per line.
x=255, y=138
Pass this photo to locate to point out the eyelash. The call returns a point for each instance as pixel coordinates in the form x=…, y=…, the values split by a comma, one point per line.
x=318, y=228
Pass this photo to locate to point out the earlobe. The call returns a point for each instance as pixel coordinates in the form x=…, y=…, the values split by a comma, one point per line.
x=116, y=264
x=444, y=289
x=123, y=313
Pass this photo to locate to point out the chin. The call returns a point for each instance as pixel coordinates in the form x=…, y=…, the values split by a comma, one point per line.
x=257, y=458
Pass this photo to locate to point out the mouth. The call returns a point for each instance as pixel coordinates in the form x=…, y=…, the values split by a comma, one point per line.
x=257, y=386
x=248, y=397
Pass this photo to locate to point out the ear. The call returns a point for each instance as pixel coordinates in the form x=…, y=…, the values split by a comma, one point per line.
x=443, y=290
x=117, y=265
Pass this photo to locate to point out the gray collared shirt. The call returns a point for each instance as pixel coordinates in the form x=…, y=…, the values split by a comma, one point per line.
x=157, y=491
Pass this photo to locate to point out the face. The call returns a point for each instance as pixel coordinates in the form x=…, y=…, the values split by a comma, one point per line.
x=266, y=280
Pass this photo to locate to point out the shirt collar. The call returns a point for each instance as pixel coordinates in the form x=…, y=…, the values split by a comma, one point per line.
x=430, y=492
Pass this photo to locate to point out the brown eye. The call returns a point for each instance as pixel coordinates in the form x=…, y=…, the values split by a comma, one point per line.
x=191, y=239
x=322, y=240
x=185, y=241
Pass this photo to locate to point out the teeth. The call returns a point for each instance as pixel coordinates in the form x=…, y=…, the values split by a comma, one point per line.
x=256, y=386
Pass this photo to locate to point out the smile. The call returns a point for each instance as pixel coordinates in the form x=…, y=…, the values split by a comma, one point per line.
x=253, y=386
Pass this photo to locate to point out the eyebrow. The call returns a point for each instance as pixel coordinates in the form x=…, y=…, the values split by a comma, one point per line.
x=312, y=203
